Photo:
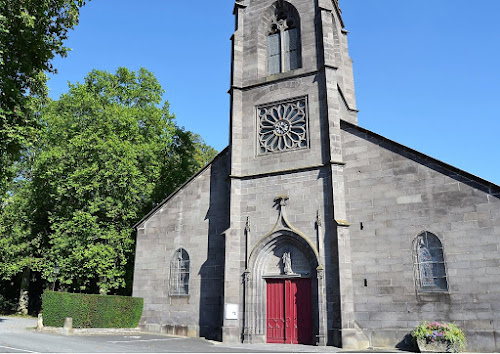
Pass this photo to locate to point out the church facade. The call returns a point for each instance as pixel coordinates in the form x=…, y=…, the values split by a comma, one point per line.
x=309, y=228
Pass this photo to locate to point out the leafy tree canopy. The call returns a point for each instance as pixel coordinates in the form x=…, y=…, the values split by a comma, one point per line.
x=32, y=32
x=107, y=151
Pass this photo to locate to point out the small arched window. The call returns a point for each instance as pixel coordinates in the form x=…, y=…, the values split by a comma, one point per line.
x=283, y=40
x=179, y=273
x=430, y=271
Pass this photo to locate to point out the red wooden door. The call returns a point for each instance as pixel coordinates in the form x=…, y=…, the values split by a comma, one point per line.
x=275, y=311
x=290, y=312
x=303, y=311
x=289, y=318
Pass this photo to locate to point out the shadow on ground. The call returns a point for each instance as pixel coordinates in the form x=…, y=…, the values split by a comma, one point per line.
x=407, y=344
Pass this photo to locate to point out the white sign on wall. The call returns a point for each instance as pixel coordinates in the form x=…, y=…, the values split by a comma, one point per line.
x=231, y=311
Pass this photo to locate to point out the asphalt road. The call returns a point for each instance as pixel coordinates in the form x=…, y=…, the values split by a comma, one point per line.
x=17, y=335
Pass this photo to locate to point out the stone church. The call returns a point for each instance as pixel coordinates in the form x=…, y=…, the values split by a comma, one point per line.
x=309, y=228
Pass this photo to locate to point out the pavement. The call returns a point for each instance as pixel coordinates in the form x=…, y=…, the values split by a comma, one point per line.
x=18, y=335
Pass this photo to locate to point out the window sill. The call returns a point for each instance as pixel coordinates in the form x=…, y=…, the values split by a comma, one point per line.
x=432, y=295
x=432, y=290
x=275, y=78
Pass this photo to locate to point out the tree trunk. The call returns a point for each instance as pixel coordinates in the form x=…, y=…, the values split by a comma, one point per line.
x=102, y=289
x=24, y=292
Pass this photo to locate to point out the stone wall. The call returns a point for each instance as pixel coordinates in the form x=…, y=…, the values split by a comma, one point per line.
x=308, y=199
x=255, y=28
x=245, y=157
x=193, y=218
x=393, y=194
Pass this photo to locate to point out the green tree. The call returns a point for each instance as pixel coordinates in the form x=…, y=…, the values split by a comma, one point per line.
x=107, y=152
x=203, y=153
x=16, y=248
x=187, y=155
x=31, y=34
x=15, y=240
x=97, y=164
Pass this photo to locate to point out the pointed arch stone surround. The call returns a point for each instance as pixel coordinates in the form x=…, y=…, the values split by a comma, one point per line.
x=265, y=262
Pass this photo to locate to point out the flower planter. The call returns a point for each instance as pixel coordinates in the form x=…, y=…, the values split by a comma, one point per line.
x=437, y=346
x=436, y=337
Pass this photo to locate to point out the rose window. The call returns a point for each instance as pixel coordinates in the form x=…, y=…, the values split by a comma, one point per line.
x=283, y=126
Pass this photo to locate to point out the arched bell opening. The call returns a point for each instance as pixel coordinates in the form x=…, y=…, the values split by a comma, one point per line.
x=279, y=43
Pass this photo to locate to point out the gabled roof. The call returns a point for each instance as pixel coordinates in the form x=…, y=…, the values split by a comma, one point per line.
x=436, y=165
x=174, y=193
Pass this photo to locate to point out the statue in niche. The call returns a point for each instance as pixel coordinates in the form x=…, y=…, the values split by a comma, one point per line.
x=426, y=262
x=287, y=263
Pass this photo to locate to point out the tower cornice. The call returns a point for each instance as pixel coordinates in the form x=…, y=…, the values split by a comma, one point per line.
x=239, y=4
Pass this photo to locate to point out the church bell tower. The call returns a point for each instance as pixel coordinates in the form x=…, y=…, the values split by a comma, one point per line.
x=291, y=85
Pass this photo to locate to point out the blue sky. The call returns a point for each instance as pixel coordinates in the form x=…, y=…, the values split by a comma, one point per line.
x=427, y=72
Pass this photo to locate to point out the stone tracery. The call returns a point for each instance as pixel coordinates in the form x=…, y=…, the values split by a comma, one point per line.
x=283, y=126
x=283, y=39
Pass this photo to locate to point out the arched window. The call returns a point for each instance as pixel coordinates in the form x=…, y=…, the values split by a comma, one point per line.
x=283, y=40
x=430, y=271
x=179, y=273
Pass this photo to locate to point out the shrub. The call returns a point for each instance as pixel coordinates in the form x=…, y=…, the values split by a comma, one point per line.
x=440, y=332
x=91, y=311
x=7, y=306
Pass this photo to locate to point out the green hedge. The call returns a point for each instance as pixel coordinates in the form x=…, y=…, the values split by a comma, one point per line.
x=91, y=311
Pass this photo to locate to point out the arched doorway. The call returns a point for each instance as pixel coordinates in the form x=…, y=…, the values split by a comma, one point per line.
x=281, y=297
